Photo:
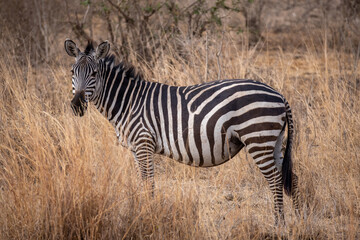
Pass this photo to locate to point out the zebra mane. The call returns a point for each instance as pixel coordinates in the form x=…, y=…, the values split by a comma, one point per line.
x=89, y=48
x=131, y=71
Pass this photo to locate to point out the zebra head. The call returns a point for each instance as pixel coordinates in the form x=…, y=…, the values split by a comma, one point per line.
x=84, y=73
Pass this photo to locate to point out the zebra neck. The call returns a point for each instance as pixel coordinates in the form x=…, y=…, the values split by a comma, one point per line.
x=119, y=96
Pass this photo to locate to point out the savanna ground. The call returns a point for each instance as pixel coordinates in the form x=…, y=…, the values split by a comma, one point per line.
x=63, y=177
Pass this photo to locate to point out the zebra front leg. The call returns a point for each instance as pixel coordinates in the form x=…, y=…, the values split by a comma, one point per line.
x=143, y=156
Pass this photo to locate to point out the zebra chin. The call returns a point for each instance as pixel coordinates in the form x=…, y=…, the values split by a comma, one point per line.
x=78, y=110
x=79, y=107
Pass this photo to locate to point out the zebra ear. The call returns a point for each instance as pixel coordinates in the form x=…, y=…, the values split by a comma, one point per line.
x=71, y=48
x=102, y=50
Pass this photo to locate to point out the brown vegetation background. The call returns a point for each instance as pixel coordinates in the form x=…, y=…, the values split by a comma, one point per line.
x=63, y=177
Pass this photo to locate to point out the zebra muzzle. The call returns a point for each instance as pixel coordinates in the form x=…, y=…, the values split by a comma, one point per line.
x=79, y=104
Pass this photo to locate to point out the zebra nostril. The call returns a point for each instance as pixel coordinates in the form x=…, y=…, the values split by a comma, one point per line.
x=76, y=101
x=79, y=104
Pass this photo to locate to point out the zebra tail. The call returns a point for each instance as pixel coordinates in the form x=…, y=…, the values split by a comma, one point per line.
x=287, y=163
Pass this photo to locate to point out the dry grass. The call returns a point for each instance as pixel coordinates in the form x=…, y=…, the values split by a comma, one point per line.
x=66, y=177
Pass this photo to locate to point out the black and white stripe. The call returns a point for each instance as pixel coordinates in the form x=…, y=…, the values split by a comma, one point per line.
x=203, y=125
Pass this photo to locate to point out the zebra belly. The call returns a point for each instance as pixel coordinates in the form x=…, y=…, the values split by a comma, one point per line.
x=232, y=146
x=226, y=151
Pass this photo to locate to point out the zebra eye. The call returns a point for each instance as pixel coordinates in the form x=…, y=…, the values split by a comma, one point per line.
x=72, y=71
x=93, y=74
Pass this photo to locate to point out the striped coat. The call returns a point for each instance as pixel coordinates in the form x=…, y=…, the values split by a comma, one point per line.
x=202, y=125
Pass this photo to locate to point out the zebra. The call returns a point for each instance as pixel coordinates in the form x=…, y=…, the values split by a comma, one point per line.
x=202, y=125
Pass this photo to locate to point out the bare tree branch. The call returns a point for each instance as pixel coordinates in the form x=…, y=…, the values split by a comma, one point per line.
x=127, y=18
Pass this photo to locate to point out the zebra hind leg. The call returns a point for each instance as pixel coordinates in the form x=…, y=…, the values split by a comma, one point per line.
x=275, y=182
x=295, y=195
x=264, y=159
x=278, y=155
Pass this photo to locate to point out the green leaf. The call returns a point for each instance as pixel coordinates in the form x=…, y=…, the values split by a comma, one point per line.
x=148, y=9
x=105, y=8
x=85, y=3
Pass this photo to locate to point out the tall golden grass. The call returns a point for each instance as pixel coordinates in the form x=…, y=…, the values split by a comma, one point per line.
x=65, y=177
